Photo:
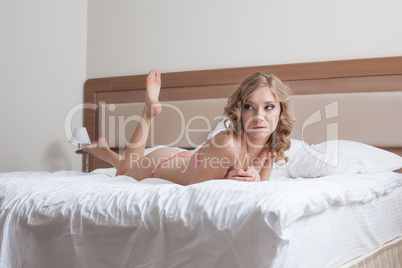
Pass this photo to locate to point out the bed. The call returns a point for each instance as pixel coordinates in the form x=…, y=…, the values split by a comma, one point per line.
x=337, y=203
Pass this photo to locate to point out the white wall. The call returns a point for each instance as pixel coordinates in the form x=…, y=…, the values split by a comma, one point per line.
x=131, y=37
x=42, y=69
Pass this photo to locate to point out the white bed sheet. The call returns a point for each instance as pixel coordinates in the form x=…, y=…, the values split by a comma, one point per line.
x=72, y=219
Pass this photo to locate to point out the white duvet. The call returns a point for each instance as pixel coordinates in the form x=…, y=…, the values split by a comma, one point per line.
x=73, y=219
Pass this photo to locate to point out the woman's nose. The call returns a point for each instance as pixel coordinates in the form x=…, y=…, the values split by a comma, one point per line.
x=260, y=112
x=258, y=118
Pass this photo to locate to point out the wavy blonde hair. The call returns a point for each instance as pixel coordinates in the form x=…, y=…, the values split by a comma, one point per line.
x=279, y=141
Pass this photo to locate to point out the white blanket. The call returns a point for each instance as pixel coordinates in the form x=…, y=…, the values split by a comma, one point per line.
x=72, y=219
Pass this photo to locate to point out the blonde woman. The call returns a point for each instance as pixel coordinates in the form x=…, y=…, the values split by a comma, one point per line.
x=259, y=117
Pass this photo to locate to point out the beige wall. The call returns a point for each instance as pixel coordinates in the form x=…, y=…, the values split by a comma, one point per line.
x=132, y=37
x=42, y=69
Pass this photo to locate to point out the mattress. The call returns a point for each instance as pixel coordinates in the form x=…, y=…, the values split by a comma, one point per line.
x=339, y=233
x=74, y=219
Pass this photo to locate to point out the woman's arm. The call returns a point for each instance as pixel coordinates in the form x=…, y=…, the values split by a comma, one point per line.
x=216, y=157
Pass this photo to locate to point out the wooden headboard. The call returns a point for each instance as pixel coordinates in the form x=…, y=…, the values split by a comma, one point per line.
x=329, y=77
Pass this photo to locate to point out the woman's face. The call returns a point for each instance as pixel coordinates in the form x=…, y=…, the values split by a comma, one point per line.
x=259, y=114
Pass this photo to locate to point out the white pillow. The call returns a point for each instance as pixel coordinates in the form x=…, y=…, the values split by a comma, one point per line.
x=340, y=157
x=295, y=145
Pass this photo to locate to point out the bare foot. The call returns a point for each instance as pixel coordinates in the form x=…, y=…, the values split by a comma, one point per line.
x=97, y=149
x=153, y=83
x=101, y=150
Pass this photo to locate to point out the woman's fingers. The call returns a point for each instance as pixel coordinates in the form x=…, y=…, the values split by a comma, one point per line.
x=250, y=174
x=243, y=178
x=251, y=169
x=240, y=175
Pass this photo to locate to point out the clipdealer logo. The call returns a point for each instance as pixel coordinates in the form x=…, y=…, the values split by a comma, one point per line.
x=331, y=155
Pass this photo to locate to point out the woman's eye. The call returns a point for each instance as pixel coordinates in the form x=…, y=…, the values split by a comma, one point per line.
x=247, y=106
x=270, y=107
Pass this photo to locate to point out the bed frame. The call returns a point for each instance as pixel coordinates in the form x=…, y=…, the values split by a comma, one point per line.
x=358, y=100
x=346, y=83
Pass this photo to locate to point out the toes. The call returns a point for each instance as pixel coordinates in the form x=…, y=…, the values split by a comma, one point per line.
x=158, y=76
x=153, y=73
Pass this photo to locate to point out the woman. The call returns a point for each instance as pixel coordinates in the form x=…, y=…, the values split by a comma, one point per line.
x=260, y=121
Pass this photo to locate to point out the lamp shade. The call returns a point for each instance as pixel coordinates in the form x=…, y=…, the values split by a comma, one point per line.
x=80, y=136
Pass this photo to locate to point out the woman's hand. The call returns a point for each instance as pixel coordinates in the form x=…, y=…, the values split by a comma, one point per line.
x=250, y=174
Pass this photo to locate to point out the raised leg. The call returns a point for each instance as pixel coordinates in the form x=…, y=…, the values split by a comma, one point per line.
x=136, y=148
